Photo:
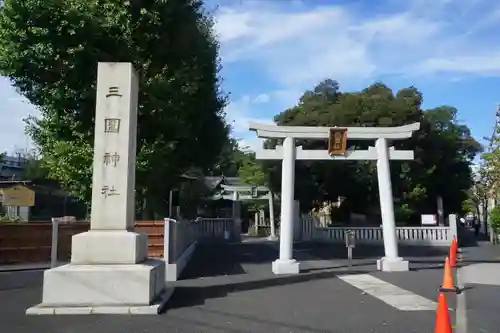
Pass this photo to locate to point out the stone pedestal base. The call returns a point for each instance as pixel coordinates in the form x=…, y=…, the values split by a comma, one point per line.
x=109, y=247
x=393, y=265
x=286, y=267
x=102, y=288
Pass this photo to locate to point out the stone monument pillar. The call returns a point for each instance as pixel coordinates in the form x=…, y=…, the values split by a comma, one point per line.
x=109, y=270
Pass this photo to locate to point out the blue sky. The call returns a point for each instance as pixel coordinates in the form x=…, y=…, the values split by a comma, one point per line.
x=274, y=50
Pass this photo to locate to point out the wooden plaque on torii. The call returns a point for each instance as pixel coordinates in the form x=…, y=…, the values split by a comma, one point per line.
x=337, y=142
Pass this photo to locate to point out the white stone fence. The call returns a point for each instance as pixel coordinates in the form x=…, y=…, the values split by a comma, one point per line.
x=179, y=239
x=419, y=235
x=182, y=237
x=216, y=228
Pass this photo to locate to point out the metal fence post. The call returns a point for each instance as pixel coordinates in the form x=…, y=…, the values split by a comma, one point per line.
x=166, y=241
x=54, y=242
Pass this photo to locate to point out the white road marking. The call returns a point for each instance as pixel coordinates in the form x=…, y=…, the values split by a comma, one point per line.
x=399, y=298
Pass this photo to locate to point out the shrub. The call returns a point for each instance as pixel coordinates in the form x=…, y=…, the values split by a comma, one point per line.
x=495, y=219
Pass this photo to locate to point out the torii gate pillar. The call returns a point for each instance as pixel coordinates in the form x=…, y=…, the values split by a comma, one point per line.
x=391, y=261
x=381, y=153
x=285, y=264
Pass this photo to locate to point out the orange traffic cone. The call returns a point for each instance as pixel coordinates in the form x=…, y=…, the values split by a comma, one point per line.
x=443, y=324
x=447, y=285
x=452, y=253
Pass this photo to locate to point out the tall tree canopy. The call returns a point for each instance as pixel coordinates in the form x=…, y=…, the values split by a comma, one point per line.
x=444, y=149
x=230, y=159
x=490, y=169
x=50, y=50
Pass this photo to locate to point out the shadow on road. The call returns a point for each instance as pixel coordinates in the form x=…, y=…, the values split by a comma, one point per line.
x=328, y=251
x=226, y=259
x=223, y=259
x=191, y=296
x=220, y=258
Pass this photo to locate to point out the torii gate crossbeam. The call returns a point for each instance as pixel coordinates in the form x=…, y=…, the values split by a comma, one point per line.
x=288, y=153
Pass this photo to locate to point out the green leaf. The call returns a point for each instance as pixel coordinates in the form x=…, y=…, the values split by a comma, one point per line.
x=50, y=50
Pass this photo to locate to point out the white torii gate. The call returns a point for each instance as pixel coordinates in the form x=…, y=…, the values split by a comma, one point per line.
x=381, y=153
x=235, y=195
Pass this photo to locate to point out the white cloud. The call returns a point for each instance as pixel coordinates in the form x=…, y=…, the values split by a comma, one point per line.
x=256, y=108
x=233, y=25
x=251, y=143
x=239, y=113
x=485, y=65
x=295, y=46
x=262, y=98
x=300, y=46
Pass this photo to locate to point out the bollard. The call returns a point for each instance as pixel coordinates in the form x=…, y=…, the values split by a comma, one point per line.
x=350, y=243
x=54, y=242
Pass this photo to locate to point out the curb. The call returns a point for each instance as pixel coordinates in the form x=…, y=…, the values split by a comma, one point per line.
x=461, y=312
x=23, y=269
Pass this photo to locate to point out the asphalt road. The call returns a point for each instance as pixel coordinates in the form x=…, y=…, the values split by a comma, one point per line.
x=230, y=288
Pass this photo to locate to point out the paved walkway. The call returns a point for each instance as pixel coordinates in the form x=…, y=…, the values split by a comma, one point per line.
x=481, y=279
x=230, y=288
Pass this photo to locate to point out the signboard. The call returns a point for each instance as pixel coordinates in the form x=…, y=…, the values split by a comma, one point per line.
x=350, y=239
x=254, y=192
x=18, y=195
x=428, y=219
x=337, y=143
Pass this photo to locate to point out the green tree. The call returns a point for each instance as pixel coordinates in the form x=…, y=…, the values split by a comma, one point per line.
x=50, y=50
x=252, y=173
x=488, y=182
x=490, y=169
x=494, y=220
x=34, y=168
x=443, y=147
x=446, y=151
x=35, y=171
x=192, y=194
x=476, y=198
x=230, y=159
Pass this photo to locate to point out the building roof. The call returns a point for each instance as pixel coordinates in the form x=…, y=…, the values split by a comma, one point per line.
x=213, y=181
x=12, y=162
x=9, y=183
x=41, y=189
